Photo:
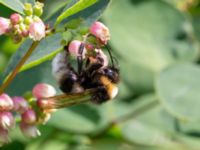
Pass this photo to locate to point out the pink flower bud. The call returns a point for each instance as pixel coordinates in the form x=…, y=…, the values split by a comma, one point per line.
x=28, y=130
x=25, y=33
x=29, y=116
x=4, y=138
x=20, y=104
x=99, y=30
x=15, y=18
x=43, y=90
x=7, y=120
x=6, y=103
x=74, y=47
x=37, y=30
x=4, y=25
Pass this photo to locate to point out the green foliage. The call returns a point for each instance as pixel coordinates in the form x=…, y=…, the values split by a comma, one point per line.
x=157, y=47
x=80, y=5
x=15, y=5
x=180, y=91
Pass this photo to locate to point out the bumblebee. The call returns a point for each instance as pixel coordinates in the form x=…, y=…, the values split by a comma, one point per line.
x=96, y=74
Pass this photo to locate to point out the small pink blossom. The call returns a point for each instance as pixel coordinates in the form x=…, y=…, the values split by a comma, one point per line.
x=74, y=48
x=29, y=130
x=43, y=90
x=7, y=120
x=4, y=25
x=37, y=30
x=99, y=30
x=6, y=102
x=29, y=116
x=15, y=18
x=20, y=104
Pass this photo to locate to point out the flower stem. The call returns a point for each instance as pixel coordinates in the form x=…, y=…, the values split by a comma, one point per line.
x=18, y=67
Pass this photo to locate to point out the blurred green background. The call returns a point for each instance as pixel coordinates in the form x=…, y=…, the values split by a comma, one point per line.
x=156, y=43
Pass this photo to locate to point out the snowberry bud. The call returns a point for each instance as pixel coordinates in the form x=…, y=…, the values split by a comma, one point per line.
x=15, y=18
x=4, y=136
x=99, y=30
x=28, y=9
x=43, y=90
x=74, y=48
x=28, y=20
x=37, y=30
x=4, y=25
x=38, y=9
x=23, y=30
x=20, y=104
x=29, y=130
x=29, y=116
x=6, y=103
x=7, y=120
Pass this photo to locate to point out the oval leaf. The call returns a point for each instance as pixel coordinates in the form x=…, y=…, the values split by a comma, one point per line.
x=178, y=90
x=15, y=5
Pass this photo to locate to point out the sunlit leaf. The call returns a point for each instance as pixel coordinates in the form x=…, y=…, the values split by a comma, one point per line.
x=80, y=5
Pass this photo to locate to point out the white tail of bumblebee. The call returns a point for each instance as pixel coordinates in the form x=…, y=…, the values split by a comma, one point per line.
x=59, y=65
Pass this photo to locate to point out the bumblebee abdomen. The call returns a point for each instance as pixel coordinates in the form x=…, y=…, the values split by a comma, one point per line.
x=106, y=91
x=100, y=95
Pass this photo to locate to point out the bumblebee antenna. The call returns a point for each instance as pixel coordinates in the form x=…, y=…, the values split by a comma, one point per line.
x=110, y=54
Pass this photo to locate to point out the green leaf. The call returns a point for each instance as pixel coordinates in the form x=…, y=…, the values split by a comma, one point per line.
x=80, y=5
x=78, y=119
x=90, y=14
x=53, y=7
x=28, y=1
x=153, y=127
x=151, y=40
x=15, y=5
x=178, y=90
x=26, y=80
x=45, y=51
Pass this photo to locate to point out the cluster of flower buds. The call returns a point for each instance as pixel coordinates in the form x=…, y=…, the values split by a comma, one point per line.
x=30, y=113
x=27, y=25
x=41, y=92
x=97, y=37
x=7, y=120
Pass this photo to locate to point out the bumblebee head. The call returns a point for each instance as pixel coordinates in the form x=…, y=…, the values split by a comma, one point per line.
x=112, y=73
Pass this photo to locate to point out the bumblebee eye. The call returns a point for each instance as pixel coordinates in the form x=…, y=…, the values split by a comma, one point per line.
x=109, y=73
x=112, y=74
